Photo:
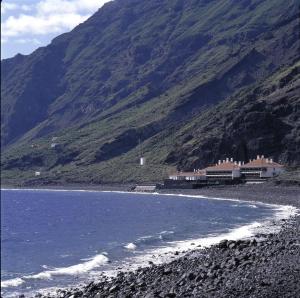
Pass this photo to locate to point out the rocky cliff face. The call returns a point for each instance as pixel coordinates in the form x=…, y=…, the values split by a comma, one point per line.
x=263, y=119
x=165, y=79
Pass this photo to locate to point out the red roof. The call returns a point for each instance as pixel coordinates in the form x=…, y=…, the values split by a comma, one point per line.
x=225, y=166
x=262, y=163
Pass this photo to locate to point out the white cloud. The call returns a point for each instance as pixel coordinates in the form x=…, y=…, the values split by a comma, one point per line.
x=34, y=25
x=25, y=7
x=64, y=6
x=49, y=16
x=6, y=7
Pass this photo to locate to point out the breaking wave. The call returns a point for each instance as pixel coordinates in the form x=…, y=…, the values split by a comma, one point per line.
x=130, y=246
x=90, y=264
x=148, y=252
x=12, y=282
x=78, y=269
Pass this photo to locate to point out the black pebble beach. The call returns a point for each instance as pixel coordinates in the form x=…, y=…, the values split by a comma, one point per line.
x=267, y=265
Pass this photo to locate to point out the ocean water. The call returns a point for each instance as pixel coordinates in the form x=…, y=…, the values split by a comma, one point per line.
x=55, y=239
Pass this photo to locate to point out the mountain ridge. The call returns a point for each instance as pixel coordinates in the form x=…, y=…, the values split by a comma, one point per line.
x=136, y=71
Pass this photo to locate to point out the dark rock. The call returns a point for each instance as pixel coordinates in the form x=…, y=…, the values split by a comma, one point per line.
x=244, y=264
x=170, y=295
x=167, y=271
x=223, y=244
x=232, y=245
x=265, y=283
x=142, y=284
x=114, y=288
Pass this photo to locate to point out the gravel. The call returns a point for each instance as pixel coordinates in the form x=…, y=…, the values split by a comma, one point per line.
x=268, y=265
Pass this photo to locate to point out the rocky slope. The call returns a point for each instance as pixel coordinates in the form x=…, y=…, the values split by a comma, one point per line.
x=151, y=77
x=263, y=119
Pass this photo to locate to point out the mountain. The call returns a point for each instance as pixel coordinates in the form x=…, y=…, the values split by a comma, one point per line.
x=184, y=83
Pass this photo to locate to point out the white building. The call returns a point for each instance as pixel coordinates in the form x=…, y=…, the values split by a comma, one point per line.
x=224, y=170
x=188, y=176
x=261, y=168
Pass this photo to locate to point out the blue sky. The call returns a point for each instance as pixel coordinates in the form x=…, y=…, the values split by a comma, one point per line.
x=29, y=24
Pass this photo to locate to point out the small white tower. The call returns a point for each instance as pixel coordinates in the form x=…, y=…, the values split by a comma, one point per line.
x=142, y=161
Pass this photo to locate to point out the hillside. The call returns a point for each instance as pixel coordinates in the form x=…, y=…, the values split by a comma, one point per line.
x=183, y=82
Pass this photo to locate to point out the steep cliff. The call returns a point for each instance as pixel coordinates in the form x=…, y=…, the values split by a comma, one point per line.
x=181, y=82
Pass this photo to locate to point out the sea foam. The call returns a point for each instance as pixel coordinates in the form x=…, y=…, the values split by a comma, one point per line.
x=165, y=253
x=12, y=282
x=78, y=269
x=282, y=212
x=130, y=246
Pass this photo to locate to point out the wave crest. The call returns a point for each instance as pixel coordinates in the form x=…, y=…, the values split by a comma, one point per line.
x=78, y=269
x=130, y=246
x=12, y=282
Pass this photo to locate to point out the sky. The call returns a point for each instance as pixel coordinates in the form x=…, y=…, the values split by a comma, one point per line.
x=29, y=24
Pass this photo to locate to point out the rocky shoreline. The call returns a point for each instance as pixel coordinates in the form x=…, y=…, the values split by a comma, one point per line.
x=268, y=265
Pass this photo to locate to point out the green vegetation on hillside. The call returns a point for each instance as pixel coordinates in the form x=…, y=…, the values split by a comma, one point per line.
x=184, y=83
